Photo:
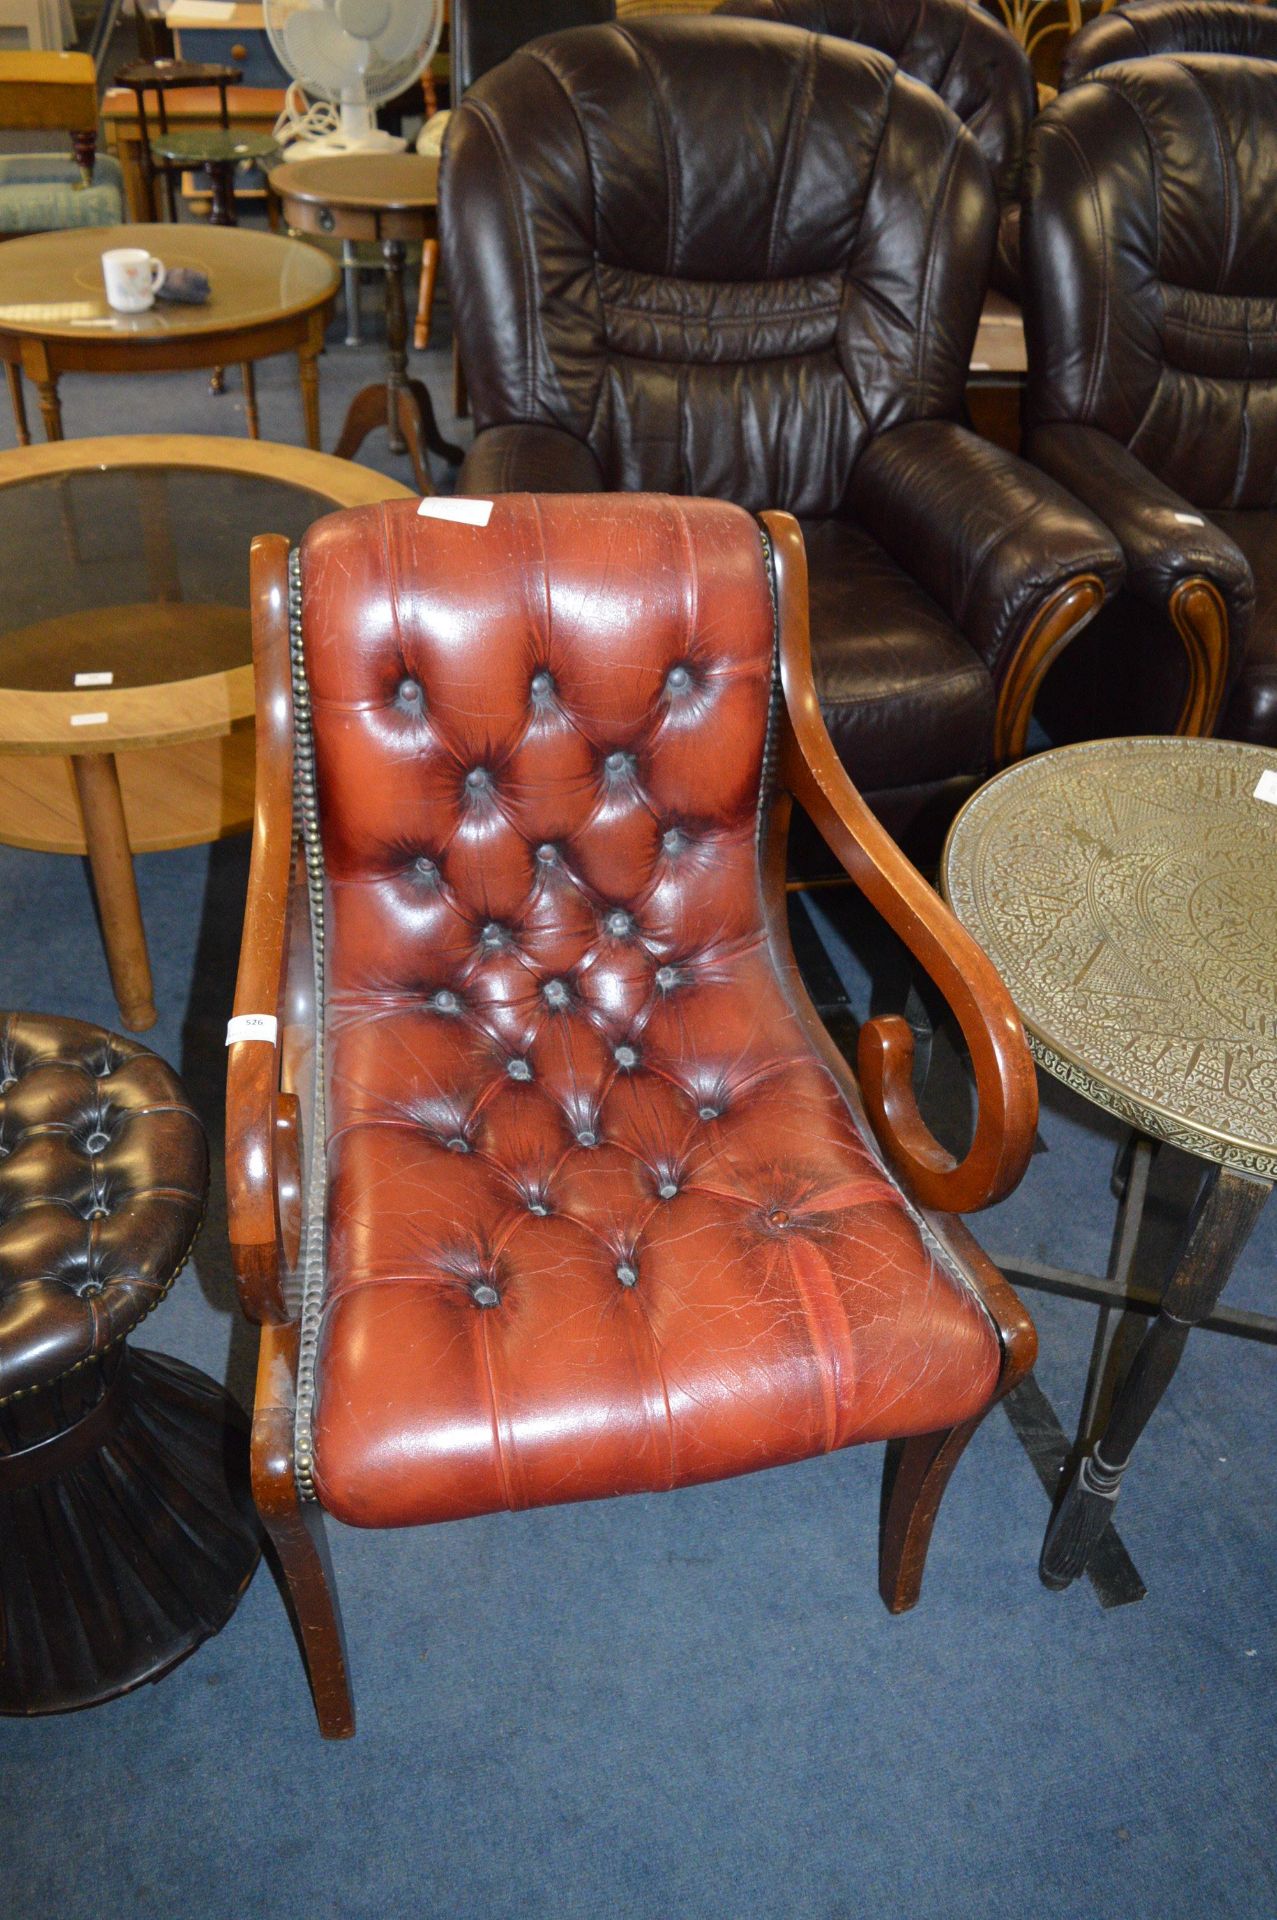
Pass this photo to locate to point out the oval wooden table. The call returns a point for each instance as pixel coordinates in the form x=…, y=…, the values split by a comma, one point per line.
x=1126, y=891
x=269, y=295
x=125, y=630
x=390, y=198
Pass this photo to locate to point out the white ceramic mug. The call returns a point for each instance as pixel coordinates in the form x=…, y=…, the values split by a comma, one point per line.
x=131, y=275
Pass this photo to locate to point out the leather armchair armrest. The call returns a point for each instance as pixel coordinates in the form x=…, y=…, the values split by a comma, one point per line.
x=1018, y=564
x=263, y=1075
x=524, y=457
x=1176, y=559
x=1165, y=540
x=1006, y=1082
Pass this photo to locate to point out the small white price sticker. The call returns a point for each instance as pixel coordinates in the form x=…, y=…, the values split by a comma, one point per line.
x=89, y=719
x=1267, y=788
x=252, y=1026
x=469, y=513
x=1190, y=519
x=95, y=679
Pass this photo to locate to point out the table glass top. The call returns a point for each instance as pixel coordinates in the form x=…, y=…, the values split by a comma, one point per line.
x=1126, y=891
x=51, y=283
x=140, y=573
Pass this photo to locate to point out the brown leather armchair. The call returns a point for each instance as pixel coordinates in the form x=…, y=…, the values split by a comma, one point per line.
x=1145, y=29
x=573, y=1196
x=961, y=53
x=655, y=290
x=1150, y=293
x=486, y=32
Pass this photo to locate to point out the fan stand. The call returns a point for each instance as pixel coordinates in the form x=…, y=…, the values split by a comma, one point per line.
x=400, y=405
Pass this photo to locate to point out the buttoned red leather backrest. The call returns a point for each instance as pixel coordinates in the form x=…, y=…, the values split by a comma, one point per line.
x=956, y=49
x=1147, y=28
x=1151, y=269
x=538, y=753
x=721, y=253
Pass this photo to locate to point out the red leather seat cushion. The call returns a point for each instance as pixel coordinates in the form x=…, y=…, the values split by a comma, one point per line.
x=600, y=1220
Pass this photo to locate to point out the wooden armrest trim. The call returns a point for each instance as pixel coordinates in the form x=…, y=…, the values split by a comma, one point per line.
x=1006, y=1083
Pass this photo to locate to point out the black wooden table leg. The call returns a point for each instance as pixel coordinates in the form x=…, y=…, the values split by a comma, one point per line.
x=1226, y=1210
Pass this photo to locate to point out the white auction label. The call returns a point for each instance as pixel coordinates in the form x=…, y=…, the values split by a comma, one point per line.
x=1190, y=519
x=252, y=1026
x=1267, y=788
x=95, y=679
x=470, y=513
x=89, y=719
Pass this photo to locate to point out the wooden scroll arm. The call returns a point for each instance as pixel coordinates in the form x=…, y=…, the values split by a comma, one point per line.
x=263, y=1156
x=1006, y=1083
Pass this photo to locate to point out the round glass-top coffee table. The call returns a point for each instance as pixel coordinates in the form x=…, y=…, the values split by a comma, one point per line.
x=268, y=295
x=1126, y=891
x=125, y=629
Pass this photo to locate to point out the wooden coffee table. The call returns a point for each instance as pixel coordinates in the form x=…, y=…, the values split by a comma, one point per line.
x=391, y=198
x=269, y=295
x=129, y=575
x=1126, y=890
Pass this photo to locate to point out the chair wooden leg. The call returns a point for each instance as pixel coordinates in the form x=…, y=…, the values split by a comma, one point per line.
x=17, y=400
x=296, y=1530
x=915, y=1475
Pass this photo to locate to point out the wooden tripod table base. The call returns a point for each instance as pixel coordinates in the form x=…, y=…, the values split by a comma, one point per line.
x=391, y=199
x=126, y=1539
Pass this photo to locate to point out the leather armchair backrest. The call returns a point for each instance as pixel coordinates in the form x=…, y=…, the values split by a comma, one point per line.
x=483, y=33
x=721, y=254
x=538, y=753
x=956, y=49
x=1151, y=273
x=1146, y=28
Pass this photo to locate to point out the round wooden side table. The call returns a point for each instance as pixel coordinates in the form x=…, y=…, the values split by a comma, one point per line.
x=269, y=295
x=126, y=662
x=391, y=199
x=1126, y=890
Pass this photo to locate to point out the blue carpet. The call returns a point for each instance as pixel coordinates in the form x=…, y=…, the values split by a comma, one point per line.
x=687, y=1705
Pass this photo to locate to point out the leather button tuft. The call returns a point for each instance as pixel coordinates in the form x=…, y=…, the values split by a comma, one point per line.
x=96, y=1142
x=484, y=1294
x=587, y=1137
x=708, y=1113
x=673, y=840
x=626, y=1274
x=518, y=1069
x=666, y=977
x=6, y=1084
x=458, y=1144
x=619, y=923
x=494, y=936
x=91, y=1289
x=678, y=679
x=547, y=853
x=478, y=780
x=538, y=1206
x=625, y=1056
x=542, y=686
x=409, y=694
x=778, y=1217
x=97, y=1213
x=425, y=869
x=556, y=993
x=445, y=1001
x=667, y=1189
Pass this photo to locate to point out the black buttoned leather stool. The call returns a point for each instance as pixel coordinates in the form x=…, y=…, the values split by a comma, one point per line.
x=126, y=1532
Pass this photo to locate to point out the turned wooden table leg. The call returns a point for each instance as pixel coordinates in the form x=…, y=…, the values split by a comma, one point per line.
x=17, y=400
x=50, y=408
x=106, y=833
x=1225, y=1212
x=394, y=254
x=308, y=366
x=250, y=400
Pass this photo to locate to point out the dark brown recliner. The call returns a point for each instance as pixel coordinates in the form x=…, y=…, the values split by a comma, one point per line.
x=1151, y=313
x=486, y=32
x=656, y=291
x=1145, y=29
x=961, y=53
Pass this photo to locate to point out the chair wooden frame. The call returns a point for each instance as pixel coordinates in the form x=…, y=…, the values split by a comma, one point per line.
x=268, y=1086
